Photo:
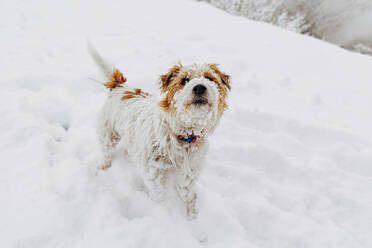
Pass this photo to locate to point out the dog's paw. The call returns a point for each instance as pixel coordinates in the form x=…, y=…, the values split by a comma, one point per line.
x=192, y=213
x=105, y=166
x=191, y=209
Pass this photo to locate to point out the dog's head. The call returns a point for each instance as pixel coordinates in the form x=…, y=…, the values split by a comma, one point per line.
x=195, y=92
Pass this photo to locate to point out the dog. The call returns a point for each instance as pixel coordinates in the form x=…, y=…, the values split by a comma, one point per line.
x=164, y=135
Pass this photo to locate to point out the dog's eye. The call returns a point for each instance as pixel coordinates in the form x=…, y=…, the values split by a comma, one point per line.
x=185, y=81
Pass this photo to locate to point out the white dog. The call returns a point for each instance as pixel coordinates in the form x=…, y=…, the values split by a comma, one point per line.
x=164, y=136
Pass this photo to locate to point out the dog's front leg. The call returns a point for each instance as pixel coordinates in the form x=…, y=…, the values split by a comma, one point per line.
x=154, y=179
x=184, y=186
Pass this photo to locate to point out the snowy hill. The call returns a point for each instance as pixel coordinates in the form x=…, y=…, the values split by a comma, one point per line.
x=289, y=166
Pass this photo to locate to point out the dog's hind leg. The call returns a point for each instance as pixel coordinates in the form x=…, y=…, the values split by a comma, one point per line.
x=109, y=139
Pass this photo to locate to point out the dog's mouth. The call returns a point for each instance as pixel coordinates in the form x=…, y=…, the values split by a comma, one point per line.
x=200, y=101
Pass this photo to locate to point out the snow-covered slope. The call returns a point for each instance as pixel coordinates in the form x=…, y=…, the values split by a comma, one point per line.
x=289, y=166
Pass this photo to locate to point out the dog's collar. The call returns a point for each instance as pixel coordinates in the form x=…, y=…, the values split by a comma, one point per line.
x=190, y=139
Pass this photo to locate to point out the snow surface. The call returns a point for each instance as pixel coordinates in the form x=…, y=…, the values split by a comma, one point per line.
x=289, y=166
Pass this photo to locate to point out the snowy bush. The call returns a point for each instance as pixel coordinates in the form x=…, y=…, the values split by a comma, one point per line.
x=343, y=22
x=271, y=11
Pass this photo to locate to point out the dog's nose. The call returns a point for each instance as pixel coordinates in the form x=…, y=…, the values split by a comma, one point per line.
x=199, y=89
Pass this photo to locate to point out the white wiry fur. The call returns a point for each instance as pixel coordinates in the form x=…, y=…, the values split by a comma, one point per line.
x=149, y=135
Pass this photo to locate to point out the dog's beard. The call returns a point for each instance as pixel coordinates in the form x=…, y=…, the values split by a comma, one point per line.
x=194, y=117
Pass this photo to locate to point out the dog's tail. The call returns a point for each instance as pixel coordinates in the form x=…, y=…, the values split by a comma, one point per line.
x=113, y=76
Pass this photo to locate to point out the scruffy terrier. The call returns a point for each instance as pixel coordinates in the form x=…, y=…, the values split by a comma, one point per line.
x=166, y=138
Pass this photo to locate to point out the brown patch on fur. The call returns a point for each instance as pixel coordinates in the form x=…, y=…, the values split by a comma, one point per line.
x=171, y=83
x=223, y=84
x=135, y=93
x=165, y=104
x=117, y=79
x=224, y=77
x=167, y=78
x=171, y=91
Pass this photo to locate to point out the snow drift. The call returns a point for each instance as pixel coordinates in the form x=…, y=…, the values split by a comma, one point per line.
x=289, y=166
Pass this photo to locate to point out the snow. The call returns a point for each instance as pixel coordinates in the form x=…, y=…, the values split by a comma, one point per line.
x=289, y=166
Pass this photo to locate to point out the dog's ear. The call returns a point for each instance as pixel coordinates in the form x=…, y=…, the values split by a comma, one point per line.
x=224, y=77
x=165, y=79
